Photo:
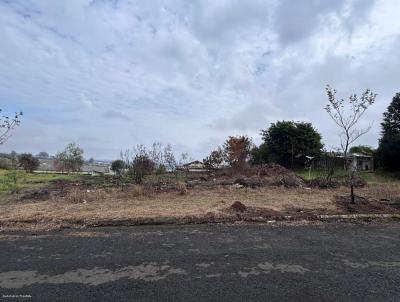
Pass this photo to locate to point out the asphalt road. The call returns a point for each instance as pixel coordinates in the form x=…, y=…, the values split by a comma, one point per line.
x=333, y=262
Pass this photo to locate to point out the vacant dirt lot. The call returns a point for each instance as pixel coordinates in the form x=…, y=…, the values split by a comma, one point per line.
x=81, y=206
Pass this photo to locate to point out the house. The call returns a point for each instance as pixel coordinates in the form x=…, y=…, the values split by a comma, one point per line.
x=362, y=162
x=194, y=166
x=96, y=169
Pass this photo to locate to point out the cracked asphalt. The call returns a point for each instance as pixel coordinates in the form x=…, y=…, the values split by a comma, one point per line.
x=220, y=262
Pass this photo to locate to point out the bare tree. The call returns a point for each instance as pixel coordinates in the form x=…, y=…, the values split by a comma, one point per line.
x=346, y=115
x=169, y=158
x=7, y=124
x=157, y=156
x=138, y=164
x=184, y=159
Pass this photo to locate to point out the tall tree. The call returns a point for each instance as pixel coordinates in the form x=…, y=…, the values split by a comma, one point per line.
x=391, y=118
x=7, y=124
x=388, y=153
x=287, y=140
x=169, y=158
x=346, y=115
x=260, y=155
x=237, y=151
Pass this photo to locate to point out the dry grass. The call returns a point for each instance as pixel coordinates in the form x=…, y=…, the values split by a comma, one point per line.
x=182, y=188
x=88, y=206
x=385, y=191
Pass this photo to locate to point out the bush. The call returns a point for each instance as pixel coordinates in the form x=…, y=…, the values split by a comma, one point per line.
x=12, y=180
x=71, y=159
x=141, y=166
x=117, y=166
x=182, y=188
x=5, y=163
x=28, y=162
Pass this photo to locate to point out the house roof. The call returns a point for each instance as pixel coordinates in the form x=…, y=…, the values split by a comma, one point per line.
x=359, y=155
x=196, y=162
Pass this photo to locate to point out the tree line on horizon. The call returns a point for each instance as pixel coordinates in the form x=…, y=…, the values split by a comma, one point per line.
x=285, y=142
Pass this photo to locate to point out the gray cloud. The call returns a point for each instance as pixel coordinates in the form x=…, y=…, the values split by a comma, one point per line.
x=116, y=115
x=187, y=72
x=296, y=20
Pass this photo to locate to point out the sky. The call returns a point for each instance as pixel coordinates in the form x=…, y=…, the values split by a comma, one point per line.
x=110, y=74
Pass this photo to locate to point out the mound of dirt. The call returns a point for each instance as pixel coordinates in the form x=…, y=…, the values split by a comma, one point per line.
x=279, y=175
x=237, y=206
x=253, y=177
x=272, y=170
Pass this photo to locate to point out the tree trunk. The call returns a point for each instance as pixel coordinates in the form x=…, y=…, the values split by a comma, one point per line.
x=352, y=193
x=352, y=186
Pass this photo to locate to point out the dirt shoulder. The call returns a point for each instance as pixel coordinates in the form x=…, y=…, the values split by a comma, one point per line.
x=77, y=206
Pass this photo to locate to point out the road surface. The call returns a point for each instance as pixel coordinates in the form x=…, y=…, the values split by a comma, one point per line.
x=249, y=262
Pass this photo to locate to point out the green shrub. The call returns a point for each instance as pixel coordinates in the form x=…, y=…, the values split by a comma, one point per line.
x=5, y=163
x=12, y=180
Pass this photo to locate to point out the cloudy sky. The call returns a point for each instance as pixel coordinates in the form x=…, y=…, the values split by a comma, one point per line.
x=110, y=74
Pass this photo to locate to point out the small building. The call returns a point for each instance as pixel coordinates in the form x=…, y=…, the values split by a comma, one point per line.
x=194, y=166
x=362, y=162
x=96, y=169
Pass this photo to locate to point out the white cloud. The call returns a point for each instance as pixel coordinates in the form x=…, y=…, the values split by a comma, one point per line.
x=127, y=72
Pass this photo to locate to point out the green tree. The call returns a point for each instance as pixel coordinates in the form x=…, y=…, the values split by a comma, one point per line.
x=260, y=155
x=391, y=118
x=288, y=140
x=117, y=166
x=28, y=162
x=388, y=153
x=71, y=159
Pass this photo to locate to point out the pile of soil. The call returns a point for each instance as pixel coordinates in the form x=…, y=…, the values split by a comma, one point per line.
x=253, y=177
x=238, y=207
x=245, y=212
x=272, y=170
x=279, y=175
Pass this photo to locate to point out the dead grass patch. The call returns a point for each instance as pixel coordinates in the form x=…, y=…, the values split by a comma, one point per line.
x=86, y=207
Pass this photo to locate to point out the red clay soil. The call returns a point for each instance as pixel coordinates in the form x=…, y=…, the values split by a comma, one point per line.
x=238, y=207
